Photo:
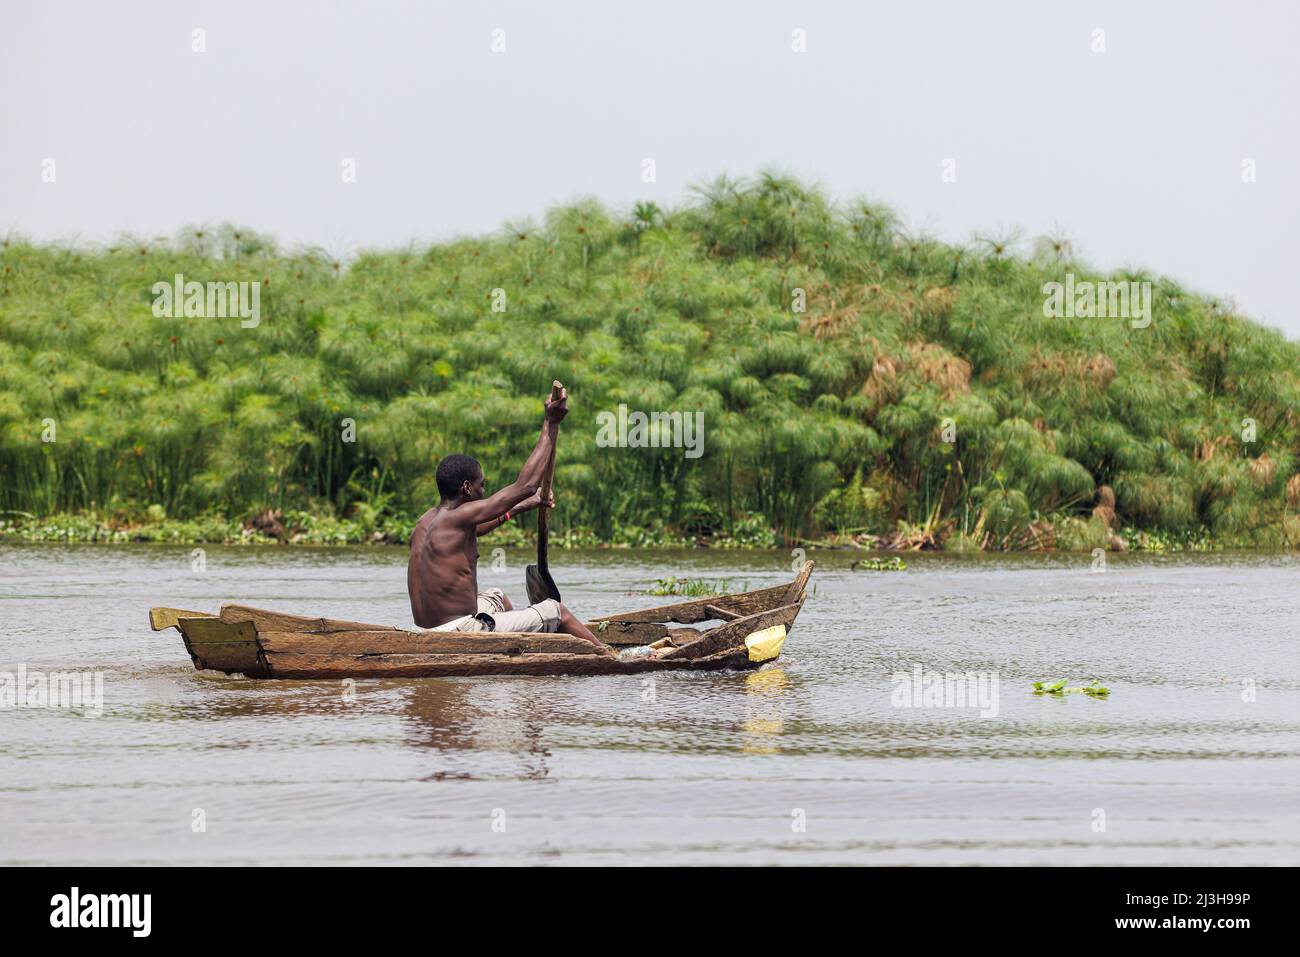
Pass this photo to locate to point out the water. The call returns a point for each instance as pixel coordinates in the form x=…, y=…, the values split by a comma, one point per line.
x=1174, y=768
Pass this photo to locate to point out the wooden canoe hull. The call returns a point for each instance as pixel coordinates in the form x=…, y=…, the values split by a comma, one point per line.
x=259, y=643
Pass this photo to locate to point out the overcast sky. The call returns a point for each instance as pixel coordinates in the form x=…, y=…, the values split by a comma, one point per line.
x=1136, y=152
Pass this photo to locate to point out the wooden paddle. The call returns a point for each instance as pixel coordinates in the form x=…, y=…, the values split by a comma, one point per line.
x=537, y=578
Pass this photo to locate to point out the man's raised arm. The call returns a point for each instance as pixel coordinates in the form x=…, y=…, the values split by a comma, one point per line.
x=527, y=505
x=530, y=476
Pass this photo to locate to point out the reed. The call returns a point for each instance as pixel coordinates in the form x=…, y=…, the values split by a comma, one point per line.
x=817, y=419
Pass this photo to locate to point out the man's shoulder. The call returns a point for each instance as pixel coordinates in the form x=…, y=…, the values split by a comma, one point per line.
x=442, y=520
x=424, y=525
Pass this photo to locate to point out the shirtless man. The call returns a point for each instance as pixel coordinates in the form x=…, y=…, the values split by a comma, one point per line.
x=442, y=574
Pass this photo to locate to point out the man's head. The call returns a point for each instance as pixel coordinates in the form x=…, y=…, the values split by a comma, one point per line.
x=460, y=476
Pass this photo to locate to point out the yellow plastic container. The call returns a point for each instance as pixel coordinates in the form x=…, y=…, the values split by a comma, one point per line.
x=766, y=644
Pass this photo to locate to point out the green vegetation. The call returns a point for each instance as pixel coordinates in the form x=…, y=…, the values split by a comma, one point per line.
x=858, y=382
x=687, y=587
x=1057, y=689
x=878, y=564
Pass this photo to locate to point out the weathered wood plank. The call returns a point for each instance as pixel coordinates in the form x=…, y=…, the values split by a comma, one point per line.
x=294, y=666
x=266, y=620
x=736, y=659
x=683, y=636
x=232, y=657
x=207, y=628
x=627, y=632
x=223, y=646
x=733, y=633
x=161, y=618
x=795, y=591
x=422, y=642
x=691, y=612
x=721, y=614
x=624, y=633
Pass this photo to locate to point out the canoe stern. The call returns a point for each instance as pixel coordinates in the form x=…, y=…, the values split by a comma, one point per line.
x=231, y=647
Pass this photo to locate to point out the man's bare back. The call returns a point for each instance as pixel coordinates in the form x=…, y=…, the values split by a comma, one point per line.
x=442, y=575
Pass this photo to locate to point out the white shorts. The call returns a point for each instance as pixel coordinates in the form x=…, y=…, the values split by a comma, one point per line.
x=492, y=616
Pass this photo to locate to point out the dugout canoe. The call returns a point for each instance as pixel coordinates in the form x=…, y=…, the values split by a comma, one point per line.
x=743, y=630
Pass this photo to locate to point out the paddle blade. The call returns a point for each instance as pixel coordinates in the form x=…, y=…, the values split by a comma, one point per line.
x=540, y=585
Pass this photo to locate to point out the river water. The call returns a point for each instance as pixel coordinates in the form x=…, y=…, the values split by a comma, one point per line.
x=1193, y=759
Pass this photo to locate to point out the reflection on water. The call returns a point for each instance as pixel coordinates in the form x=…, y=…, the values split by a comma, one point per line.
x=443, y=715
x=765, y=714
x=1193, y=759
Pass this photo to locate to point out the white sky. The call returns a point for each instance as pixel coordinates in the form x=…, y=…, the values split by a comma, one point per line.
x=1135, y=153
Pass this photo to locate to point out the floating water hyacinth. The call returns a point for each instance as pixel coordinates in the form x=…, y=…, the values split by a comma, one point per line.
x=688, y=587
x=1059, y=688
x=877, y=564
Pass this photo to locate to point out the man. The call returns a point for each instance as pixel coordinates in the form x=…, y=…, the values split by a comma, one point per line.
x=442, y=575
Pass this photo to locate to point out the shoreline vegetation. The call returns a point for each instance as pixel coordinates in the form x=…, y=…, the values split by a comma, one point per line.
x=328, y=531
x=855, y=384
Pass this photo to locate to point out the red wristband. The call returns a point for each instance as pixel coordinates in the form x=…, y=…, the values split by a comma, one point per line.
x=507, y=518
